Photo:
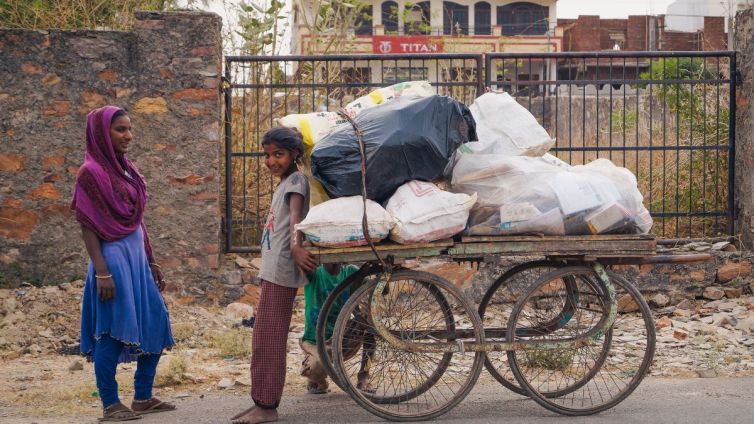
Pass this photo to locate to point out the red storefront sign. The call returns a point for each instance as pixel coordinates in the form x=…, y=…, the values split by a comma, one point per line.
x=410, y=44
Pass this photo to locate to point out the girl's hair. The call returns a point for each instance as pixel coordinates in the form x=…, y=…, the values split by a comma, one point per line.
x=286, y=138
x=119, y=113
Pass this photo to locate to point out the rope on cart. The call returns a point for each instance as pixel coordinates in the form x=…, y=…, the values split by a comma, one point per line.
x=364, y=221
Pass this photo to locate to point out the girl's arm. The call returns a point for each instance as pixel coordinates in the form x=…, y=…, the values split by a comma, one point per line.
x=303, y=258
x=105, y=286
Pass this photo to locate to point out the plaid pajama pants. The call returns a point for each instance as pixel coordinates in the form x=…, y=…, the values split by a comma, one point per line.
x=269, y=344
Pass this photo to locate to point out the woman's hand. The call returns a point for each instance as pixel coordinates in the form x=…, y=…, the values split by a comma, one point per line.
x=303, y=258
x=105, y=288
x=158, y=277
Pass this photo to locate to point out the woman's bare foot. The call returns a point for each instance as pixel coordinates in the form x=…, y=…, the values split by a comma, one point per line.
x=255, y=415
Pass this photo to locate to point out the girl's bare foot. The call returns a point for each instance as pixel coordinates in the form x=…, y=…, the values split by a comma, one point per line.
x=255, y=415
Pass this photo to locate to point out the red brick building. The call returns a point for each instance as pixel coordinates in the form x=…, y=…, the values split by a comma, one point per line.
x=639, y=33
x=636, y=33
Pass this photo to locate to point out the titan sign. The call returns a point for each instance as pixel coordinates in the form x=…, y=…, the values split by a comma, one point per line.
x=392, y=44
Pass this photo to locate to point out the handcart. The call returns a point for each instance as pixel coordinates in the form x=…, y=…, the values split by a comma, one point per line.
x=563, y=329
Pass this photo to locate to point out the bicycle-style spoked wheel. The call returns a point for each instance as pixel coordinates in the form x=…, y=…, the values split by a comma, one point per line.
x=604, y=368
x=328, y=315
x=391, y=381
x=496, y=307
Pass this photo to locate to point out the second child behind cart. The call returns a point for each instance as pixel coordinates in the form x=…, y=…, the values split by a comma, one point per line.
x=285, y=263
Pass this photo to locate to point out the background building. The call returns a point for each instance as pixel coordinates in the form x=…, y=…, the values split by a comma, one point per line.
x=636, y=33
x=436, y=26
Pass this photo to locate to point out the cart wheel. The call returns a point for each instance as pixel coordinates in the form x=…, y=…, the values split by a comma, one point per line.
x=495, y=308
x=394, y=383
x=588, y=379
x=327, y=314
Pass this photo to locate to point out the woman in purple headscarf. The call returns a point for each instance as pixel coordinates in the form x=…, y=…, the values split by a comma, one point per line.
x=123, y=314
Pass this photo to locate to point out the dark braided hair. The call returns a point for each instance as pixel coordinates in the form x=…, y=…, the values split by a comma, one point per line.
x=286, y=138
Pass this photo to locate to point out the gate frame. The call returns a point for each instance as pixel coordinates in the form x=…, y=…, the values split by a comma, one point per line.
x=483, y=81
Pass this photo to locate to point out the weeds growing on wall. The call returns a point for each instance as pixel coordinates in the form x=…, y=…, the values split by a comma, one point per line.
x=76, y=14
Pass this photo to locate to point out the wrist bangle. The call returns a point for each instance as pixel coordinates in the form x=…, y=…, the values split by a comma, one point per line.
x=102, y=277
x=155, y=264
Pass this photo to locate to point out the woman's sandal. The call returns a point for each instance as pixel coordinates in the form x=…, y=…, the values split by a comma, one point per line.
x=118, y=412
x=151, y=406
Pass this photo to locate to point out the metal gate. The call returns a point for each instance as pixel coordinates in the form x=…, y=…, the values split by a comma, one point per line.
x=669, y=117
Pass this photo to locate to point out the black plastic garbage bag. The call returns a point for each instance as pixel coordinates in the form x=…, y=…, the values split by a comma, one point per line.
x=406, y=139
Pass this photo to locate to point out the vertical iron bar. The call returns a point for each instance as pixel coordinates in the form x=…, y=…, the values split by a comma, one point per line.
x=610, y=111
x=691, y=148
x=717, y=144
x=704, y=144
x=480, y=82
x=583, y=111
x=244, y=176
x=530, y=86
x=651, y=136
x=677, y=144
x=487, y=74
x=623, y=124
x=557, y=108
x=597, y=77
x=665, y=92
x=544, y=86
x=570, y=114
x=636, y=120
x=258, y=130
x=228, y=93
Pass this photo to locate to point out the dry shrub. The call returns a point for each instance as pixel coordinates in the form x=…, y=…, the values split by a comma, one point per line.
x=184, y=331
x=173, y=373
x=234, y=343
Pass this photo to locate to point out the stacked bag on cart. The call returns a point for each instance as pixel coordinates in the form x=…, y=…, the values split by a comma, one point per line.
x=338, y=223
x=521, y=189
x=424, y=213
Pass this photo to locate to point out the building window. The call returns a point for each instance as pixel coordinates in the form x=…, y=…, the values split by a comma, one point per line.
x=617, y=38
x=363, y=22
x=455, y=18
x=402, y=74
x=523, y=18
x=390, y=17
x=482, y=16
x=417, y=19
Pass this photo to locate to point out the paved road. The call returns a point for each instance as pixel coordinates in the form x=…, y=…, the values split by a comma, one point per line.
x=704, y=401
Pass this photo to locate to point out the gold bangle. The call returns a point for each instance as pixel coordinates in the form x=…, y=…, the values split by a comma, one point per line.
x=155, y=264
x=102, y=277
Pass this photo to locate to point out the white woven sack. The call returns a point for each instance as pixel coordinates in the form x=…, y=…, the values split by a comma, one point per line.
x=424, y=213
x=337, y=223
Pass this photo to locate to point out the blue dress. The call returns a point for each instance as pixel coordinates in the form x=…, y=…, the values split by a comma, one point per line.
x=137, y=316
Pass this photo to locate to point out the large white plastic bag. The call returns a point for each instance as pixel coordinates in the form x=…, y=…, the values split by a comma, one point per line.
x=505, y=127
x=519, y=194
x=337, y=223
x=424, y=213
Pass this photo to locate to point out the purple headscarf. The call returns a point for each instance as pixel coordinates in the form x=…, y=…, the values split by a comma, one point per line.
x=106, y=199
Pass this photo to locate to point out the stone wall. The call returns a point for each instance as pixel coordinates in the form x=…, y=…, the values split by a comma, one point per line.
x=166, y=73
x=744, y=128
x=728, y=275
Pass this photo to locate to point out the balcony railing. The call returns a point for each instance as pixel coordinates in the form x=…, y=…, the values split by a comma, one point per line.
x=455, y=32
